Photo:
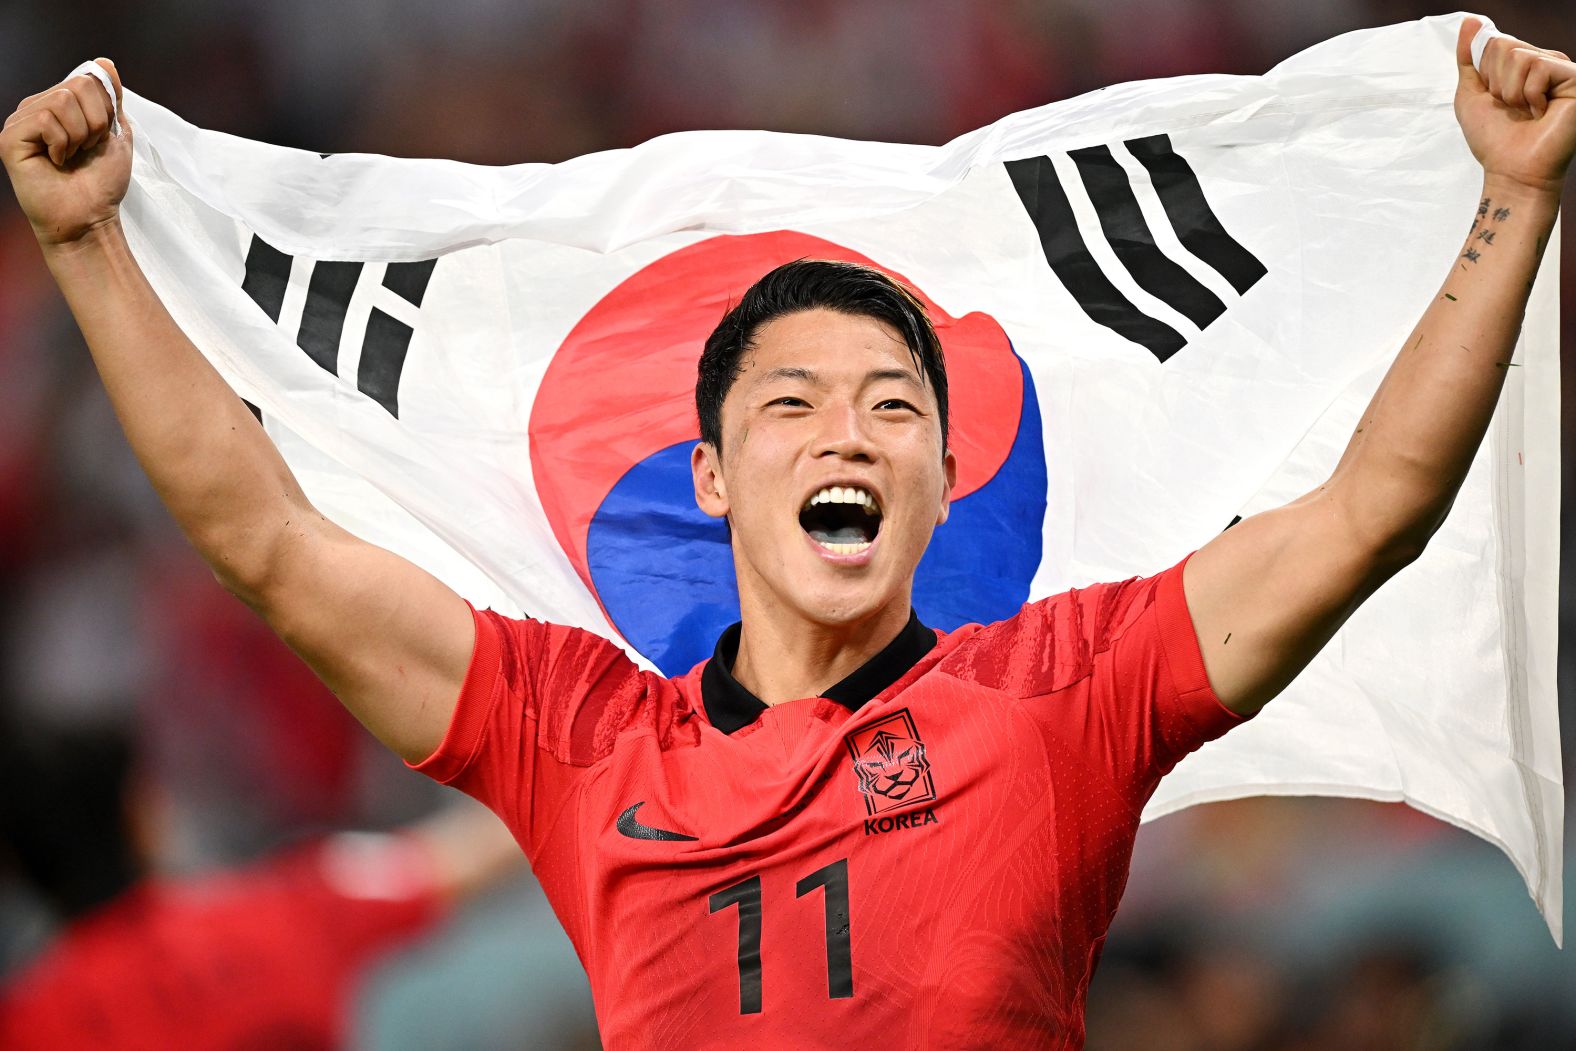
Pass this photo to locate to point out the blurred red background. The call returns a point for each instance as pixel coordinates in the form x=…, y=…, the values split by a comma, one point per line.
x=1266, y=924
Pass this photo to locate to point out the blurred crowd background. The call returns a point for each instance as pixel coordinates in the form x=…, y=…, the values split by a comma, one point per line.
x=1264, y=925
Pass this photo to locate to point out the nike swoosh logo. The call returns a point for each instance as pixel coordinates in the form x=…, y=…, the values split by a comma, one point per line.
x=629, y=826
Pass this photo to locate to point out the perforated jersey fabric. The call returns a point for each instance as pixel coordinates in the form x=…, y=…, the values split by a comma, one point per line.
x=932, y=866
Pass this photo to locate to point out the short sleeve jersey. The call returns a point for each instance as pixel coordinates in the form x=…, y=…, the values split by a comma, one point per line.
x=926, y=856
x=263, y=957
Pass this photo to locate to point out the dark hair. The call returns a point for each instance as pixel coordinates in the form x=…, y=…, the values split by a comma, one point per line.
x=63, y=813
x=808, y=284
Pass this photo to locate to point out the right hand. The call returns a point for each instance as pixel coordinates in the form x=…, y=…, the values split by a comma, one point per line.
x=68, y=169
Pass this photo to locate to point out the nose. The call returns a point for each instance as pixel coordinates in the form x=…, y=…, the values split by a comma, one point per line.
x=842, y=434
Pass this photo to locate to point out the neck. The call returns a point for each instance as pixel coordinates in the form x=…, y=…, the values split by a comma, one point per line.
x=784, y=656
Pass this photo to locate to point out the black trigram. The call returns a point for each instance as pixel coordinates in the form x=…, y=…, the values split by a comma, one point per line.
x=1122, y=222
x=328, y=292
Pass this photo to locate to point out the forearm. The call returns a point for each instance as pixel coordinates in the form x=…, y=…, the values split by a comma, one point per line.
x=211, y=464
x=392, y=641
x=1415, y=441
x=470, y=850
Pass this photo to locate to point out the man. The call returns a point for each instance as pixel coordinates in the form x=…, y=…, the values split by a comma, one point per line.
x=844, y=827
x=270, y=954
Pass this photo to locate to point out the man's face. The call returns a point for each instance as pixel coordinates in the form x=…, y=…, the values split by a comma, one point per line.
x=832, y=474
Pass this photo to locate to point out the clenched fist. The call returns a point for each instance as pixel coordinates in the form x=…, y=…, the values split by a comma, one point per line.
x=68, y=167
x=1519, y=113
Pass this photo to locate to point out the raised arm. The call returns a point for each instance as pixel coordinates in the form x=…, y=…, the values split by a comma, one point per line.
x=1267, y=594
x=390, y=640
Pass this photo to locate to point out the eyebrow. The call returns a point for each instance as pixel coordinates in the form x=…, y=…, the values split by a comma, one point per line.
x=794, y=372
x=791, y=373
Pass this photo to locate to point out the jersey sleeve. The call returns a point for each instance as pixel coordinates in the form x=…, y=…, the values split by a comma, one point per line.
x=1117, y=668
x=532, y=717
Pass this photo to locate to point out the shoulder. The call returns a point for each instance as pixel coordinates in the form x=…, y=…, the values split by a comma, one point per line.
x=1053, y=642
x=584, y=689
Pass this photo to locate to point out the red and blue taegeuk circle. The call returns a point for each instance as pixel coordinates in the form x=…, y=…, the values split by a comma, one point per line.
x=613, y=424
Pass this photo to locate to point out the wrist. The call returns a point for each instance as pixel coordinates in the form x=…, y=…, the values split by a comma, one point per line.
x=96, y=237
x=1511, y=190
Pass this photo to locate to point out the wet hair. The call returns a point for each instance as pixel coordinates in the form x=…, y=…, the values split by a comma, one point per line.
x=810, y=284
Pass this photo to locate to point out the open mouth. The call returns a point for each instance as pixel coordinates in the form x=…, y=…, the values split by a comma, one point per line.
x=842, y=519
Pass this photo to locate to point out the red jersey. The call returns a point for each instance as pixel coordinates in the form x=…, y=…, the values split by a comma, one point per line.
x=264, y=957
x=926, y=856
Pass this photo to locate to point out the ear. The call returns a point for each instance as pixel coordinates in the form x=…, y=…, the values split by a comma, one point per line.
x=949, y=467
x=711, y=491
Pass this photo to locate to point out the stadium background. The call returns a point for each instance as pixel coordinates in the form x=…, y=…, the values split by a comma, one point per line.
x=1265, y=925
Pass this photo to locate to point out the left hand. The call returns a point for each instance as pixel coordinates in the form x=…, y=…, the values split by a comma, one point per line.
x=1519, y=114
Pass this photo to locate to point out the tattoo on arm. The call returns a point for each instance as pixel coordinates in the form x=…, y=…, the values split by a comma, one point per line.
x=1481, y=212
x=1484, y=236
x=1480, y=234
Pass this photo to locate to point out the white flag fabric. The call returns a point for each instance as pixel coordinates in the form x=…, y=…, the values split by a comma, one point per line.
x=1163, y=306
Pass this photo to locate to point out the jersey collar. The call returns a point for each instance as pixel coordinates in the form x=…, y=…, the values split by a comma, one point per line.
x=730, y=707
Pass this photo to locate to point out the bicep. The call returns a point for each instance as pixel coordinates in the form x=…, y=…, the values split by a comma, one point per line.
x=1268, y=593
x=389, y=639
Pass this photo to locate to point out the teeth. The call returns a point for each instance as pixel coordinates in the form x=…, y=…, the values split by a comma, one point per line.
x=845, y=549
x=839, y=494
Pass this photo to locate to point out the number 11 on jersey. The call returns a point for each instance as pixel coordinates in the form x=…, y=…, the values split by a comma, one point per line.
x=839, y=954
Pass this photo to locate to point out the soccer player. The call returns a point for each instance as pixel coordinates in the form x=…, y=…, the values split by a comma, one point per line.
x=270, y=954
x=845, y=828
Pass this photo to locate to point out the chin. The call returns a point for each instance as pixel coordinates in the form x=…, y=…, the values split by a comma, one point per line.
x=833, y=592
x=839, y=606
